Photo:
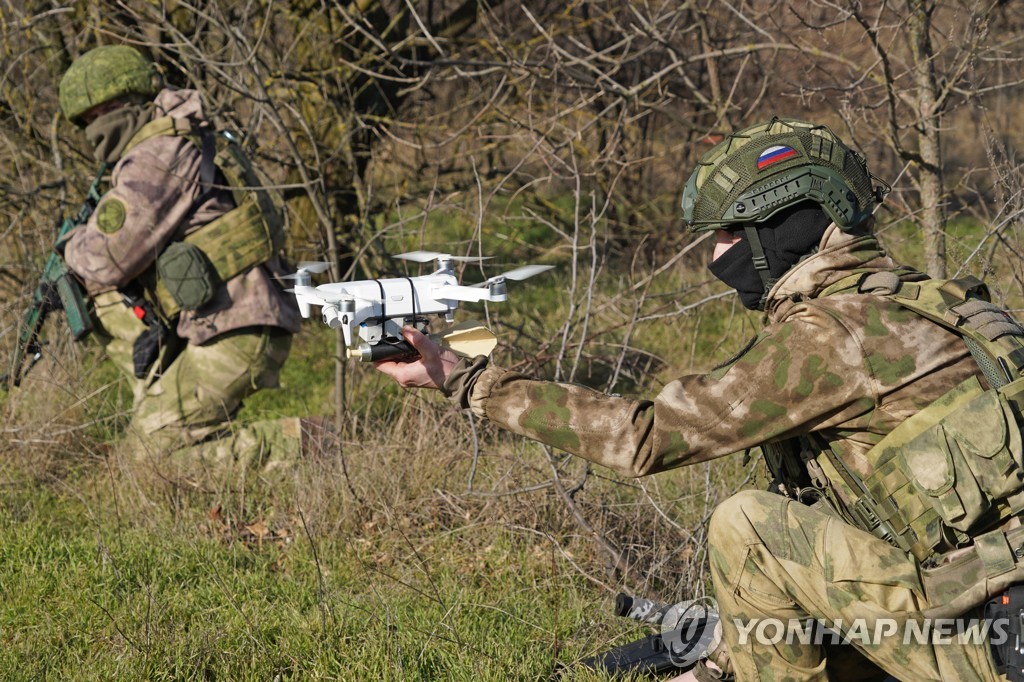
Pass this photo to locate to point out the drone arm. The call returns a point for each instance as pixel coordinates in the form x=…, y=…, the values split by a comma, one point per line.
x=468, y=294
x=306, y=297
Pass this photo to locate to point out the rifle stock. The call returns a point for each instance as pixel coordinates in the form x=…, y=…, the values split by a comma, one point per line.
x=57, y=288
x=648, y=656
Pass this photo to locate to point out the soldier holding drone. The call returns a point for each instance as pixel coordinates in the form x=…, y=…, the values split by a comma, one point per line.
x=888, y=408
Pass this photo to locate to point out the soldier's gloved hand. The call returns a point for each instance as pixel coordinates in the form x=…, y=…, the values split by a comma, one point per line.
x=62, y=242
x=146, y=349
x=429, y=370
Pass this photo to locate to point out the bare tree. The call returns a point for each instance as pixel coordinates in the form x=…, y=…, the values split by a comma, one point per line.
x=918, y=63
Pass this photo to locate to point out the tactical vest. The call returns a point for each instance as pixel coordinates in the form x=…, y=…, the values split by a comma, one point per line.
x=244, y=237
x=954, y=470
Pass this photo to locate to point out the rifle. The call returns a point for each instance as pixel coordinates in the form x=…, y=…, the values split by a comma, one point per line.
x=57, y=288
x=686, y=633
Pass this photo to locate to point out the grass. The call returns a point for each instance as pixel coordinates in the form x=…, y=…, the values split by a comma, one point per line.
x=95, y=587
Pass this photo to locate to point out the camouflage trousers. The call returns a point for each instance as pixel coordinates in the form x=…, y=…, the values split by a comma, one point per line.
x=183, y=409
x=778, y=565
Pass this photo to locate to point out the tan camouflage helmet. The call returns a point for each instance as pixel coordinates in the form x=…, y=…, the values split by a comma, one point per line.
x=104, y=74
x=755, y=173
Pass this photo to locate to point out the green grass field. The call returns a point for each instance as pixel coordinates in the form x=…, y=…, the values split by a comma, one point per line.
x=94, y=588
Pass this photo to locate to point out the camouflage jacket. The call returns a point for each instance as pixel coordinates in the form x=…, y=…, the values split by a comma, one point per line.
x=849, y=366
x=155, y=197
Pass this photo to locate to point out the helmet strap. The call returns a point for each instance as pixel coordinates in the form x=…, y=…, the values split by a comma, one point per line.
x=760, y=259
x=790, y=235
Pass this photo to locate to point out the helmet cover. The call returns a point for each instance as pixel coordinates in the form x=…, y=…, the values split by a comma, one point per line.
x=756, y=172
x=103, y=74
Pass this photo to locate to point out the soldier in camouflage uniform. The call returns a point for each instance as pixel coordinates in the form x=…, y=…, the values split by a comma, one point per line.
x=837, y=367
x=193, y=379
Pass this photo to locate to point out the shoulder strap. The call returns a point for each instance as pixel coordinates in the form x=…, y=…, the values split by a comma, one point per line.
x=165, y=125
x=182, y=127
x=994, y=338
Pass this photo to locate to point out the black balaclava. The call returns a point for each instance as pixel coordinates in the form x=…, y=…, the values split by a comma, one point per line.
x=786, y=237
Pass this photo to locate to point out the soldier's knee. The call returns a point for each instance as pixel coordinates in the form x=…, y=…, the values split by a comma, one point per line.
x=737, y=515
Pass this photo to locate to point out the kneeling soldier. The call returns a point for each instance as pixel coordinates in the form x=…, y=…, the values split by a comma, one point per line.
x=179, y=256
x=887, y=405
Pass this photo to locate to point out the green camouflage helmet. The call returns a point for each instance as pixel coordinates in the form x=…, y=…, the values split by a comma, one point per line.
x=754, y=173
x=103, y=74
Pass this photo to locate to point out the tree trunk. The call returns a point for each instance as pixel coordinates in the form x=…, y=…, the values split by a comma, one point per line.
x=930, y=182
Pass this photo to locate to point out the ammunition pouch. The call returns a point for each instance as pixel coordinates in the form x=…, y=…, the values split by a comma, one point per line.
x=229, y=246
x=951, y=471
x=187, y=275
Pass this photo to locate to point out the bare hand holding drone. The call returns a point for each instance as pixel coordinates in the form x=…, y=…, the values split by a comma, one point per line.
x=429, y=370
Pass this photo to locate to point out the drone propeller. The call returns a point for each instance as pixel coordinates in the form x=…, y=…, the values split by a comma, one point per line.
x=301, y=290
x=525, y=272
x=427, y=256
x=308, y=266
x=519, y=274
x=314, y=266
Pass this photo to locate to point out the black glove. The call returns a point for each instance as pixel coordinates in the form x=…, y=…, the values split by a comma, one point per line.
x=147, y=347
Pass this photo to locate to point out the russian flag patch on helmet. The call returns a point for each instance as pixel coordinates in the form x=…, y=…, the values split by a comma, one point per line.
x=775, y=154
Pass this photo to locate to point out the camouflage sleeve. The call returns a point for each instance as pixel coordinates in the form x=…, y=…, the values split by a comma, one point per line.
x=153, y=190
x=805, y=374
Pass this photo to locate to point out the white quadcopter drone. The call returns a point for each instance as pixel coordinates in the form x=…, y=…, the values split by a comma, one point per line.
x=375, y=310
